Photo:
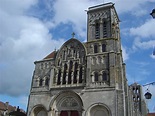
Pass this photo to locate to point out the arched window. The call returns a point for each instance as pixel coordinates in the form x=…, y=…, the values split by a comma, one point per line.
x=104, y=76
x=80, y=75
x=59, y=77
x=64, y=74
x=70, y=72
x=103, y=47
x=64, y=55
x=104, y=29
x=40, y=82
x=47, y=81
x=75, y=73
x=95, y=49
x=96, y=76
x=97, y=30
x=59, y=62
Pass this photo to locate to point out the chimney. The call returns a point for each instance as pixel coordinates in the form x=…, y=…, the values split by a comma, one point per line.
x=7, y=105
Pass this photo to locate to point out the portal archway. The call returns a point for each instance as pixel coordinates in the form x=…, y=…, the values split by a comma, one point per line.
x=98, y=109
x=67, y=103
x=39, y=110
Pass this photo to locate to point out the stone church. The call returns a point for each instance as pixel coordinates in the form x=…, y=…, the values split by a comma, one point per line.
x=87, y=79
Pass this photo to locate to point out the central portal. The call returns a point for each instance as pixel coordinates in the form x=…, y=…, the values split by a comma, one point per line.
x=69, y=113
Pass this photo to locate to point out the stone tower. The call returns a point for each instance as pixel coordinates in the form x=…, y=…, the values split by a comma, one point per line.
x=84, y=79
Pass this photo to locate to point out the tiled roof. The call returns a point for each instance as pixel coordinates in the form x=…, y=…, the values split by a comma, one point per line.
x=151, y=114
x=3, y=107
x=51, y=55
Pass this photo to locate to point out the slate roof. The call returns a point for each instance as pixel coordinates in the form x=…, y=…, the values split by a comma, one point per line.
x=51, y=55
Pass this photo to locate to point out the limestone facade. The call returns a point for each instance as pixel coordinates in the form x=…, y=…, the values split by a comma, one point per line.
x=85, y=79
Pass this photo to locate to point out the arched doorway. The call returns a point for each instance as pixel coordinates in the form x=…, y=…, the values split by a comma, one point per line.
x=69, y=113
x=67, y=103
x=39, y=110
x=98, y=110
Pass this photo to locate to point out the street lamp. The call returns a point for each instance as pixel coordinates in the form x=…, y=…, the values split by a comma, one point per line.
x=148, y=95
x=153, y=13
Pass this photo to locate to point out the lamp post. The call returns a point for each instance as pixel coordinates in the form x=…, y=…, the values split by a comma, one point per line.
x=148, y=95
x=153, y=13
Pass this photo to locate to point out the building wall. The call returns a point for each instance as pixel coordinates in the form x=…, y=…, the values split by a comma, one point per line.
x=85, y=79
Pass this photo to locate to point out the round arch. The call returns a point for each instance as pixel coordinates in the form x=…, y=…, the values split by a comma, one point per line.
x=38, y=110
x=70, y=47
x=98, y=109
x=65, y=103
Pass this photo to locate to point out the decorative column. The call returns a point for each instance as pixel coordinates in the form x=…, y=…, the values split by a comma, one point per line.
x=101, y=28
x=37, y=81
x=78, y=75
x=83, y=70
x=72, y=73
x=61, y=79
x=100, y=47
x=66, y=77
x=93, y=31
x=44, y=79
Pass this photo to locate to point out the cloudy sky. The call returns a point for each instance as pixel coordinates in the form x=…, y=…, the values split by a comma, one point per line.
x=31, y=29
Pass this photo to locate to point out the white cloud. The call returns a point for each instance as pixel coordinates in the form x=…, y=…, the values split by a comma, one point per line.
x=125, y=54
x=152, y=56
x=16, y=6
x=143, y=44
x=134, y=7
x=74, y=13
x=23, y=39
x=145, y=31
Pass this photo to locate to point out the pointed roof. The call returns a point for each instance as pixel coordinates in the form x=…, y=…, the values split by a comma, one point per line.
x=51, y=55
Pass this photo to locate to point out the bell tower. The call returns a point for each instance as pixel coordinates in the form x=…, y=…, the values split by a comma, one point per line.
x=104, y=60
x=102, y=22
x=105, y=67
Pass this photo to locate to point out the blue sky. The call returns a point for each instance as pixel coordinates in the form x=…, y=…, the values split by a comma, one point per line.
x=31, y=29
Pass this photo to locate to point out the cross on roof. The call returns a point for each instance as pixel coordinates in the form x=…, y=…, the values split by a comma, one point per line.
x=73, y=34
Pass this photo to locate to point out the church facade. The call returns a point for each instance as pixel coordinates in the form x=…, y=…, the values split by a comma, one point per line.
x=86, y=79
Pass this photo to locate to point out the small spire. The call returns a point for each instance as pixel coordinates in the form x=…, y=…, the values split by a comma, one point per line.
x=73, y=34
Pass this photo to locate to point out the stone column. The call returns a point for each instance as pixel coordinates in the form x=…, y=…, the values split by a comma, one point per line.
x=101, y=28
x=77, y=78
x=100, y=47
x=66, y=77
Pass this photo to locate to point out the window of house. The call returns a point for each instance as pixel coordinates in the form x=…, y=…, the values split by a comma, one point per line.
x=59, y=62
x=75, y=73
x=104, y=76
x=64, y=74
x=70, y=72
x=40, y=82
x=47, y=81
x=103, y=47
x=64, y=55
x=97, y=30
x=80, y=75
x=96, y=76
x=59, y=77
x=104, y=29
x=95, y=49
